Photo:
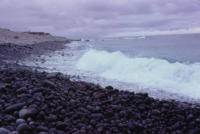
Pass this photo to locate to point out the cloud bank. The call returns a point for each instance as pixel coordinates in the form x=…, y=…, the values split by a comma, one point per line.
x=95, y=18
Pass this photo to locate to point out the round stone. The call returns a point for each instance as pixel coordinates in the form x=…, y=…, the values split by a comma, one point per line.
x=4, y=131
x=22, y=127
x=20, y=121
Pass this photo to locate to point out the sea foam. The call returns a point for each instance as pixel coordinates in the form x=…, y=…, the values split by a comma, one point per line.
x=178, y=78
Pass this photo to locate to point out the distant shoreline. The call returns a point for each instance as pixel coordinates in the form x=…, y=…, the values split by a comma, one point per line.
x=15, y=46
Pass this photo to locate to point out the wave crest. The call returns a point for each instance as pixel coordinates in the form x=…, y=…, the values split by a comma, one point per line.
x=147, y=72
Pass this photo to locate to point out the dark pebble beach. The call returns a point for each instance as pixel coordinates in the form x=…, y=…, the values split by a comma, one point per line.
x=33, y=102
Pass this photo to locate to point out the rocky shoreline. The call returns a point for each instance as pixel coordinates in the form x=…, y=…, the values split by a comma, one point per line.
x=15, y=46
x=33, y=102
x=15, y=52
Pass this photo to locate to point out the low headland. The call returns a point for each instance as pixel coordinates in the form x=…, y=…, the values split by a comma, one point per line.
x=33, y=102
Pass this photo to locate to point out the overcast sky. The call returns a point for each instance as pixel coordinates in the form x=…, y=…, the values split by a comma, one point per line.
x=97, y=18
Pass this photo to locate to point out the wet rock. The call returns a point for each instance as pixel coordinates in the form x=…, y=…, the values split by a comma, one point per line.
x=78, y=107
x=156, y=112
x=15, y=132
x=42, y=128
x=97, y=115
x=21, y=90
x=196, y=131
x=14, y=107
x=48, y=83
x=24, y=113
x=51, y=75
x=100, y=129
x=190, y=117
x=32, y=123
x=20, y=121
x=43, y=133
x=22, y=128
x=4, y=131
x=2, y=87
x=35, y=90
x=51, y=117
x=197, y=120
x=109, y=87
x=9, y=118
x=61, y=125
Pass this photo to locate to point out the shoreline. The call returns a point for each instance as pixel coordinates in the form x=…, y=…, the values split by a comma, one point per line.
x=37, y=102
x=15, y=52
x=15, y=46
x=50, y=103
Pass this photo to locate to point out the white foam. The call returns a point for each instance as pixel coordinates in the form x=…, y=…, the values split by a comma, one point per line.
x=152, y=73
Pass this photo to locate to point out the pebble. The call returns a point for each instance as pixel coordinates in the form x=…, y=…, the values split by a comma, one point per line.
x=24, y=113
x=21, y=128
x=61, y=125
x=43, y=133
x=4, y=131
x=14, y=107
x=51, y=104
x=20, y=121
x=42, y=128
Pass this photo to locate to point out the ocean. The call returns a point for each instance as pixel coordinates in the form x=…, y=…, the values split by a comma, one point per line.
x=164, y=66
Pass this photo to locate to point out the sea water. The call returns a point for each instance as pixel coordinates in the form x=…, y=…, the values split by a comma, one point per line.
x=166, y=66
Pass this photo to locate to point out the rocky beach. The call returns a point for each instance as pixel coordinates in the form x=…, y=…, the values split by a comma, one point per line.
x=34, y=102
x=15, y=46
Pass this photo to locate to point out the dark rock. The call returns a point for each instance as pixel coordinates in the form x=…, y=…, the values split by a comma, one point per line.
x=142, y=107
x=48, y=83
x=15, y=132
x=97, y=115
x=156, y=112
x=35, y=90
x=196, y=131
x=109, y=87
x=52, y=131
x=4, y=131
x=42, y=128
x=131, y=124
x=22, y=128
x=197, y=120
x=51, y=117
x=24, y=95
x=9, y=118
x=61, y=125
x=59, y=106
x=100, y=129
x=29, y=119
x=42, y=114
x=21, y=90
x=24, y=113
x=32, y=123
x=43, y=133
x=51, y=75
x=190, y=117
x=14, y=107
x=2, y=87
x=20, y=121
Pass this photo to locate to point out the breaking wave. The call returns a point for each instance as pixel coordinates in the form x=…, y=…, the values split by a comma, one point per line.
x=179, y=78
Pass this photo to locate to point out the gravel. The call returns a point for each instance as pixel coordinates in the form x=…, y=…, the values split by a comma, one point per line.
x=56, y=105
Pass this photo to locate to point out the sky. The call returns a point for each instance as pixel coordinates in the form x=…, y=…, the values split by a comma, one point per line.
x=101, y=18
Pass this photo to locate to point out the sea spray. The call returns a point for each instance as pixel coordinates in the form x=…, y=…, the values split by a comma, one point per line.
x=154, y=73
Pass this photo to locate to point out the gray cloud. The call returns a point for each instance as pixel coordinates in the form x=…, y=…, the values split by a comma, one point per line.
x=94, y=18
